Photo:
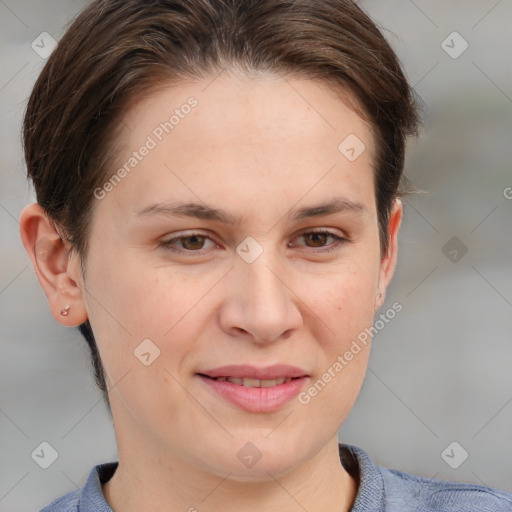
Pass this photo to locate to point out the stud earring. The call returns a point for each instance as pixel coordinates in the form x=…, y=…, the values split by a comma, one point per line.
x=65, y=311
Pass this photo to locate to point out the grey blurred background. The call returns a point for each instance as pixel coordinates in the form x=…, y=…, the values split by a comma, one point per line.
x=440, y=371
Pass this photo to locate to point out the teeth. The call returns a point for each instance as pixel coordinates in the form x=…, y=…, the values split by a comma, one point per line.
x=251, y=383
x=256, y=383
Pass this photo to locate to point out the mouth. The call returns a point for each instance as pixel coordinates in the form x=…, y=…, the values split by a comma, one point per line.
x=252, y=383
x=255, y=389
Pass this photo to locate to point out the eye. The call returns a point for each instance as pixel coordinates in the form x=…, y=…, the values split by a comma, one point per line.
x=190, y=243
x=193, y=243
x=319, y=238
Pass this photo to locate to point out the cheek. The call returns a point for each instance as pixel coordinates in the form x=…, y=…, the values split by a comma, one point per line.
x=345, y=304
x=143, y=336
x=348, y=313
x=131, y=305
x=345, y=300
x=120, y=302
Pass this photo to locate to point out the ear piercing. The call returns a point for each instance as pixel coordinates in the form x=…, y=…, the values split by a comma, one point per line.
x=65, y=311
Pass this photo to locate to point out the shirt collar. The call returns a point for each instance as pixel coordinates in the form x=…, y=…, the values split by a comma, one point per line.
x=370, y=493
x=91, y=495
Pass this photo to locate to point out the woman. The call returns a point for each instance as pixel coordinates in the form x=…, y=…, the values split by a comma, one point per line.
x=218, y=209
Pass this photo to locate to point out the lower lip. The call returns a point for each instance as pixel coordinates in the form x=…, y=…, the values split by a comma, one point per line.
x=256, y=399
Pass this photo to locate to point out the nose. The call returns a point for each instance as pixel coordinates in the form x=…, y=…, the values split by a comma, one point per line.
x=261, y=304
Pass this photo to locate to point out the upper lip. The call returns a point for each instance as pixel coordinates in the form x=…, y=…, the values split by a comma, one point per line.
x=251, y=372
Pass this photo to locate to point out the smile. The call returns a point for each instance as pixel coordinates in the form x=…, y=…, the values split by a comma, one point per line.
x=252, y=394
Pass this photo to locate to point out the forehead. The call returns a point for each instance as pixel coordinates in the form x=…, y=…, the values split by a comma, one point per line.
x=247, y=108
x=238, y=136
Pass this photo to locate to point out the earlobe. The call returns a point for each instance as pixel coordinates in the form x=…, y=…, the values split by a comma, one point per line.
x=388, y=261
x=49, y=256
x=379, y=299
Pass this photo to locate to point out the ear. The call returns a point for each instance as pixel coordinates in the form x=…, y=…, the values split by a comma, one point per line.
x=59, y=275
x=388, y=261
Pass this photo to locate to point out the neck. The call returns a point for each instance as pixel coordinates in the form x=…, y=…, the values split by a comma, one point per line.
x=146, y=480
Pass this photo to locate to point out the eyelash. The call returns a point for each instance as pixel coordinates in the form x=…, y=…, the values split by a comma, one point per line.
x=167, y=244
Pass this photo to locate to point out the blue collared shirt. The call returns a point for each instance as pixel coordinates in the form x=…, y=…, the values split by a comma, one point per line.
x=380, y=490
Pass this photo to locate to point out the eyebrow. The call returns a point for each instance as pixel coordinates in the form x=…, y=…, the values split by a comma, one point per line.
x=203, y=211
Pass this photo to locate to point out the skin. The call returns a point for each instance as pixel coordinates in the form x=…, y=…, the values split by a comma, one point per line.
x=257, y=147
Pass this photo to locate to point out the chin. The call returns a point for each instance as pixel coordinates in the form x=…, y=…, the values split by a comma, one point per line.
x=258, y=461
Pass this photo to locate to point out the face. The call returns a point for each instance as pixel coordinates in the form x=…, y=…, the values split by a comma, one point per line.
x=254, y=274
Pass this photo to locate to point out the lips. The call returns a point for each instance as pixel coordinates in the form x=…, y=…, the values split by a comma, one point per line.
x=256, y=390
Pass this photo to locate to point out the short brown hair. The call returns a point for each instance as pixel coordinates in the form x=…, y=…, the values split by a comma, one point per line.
x=117, y=50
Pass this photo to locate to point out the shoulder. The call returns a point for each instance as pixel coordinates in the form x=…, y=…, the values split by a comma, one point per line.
x=90, y=497
x=389, y=490
x=431, y=494
x=66, y=503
